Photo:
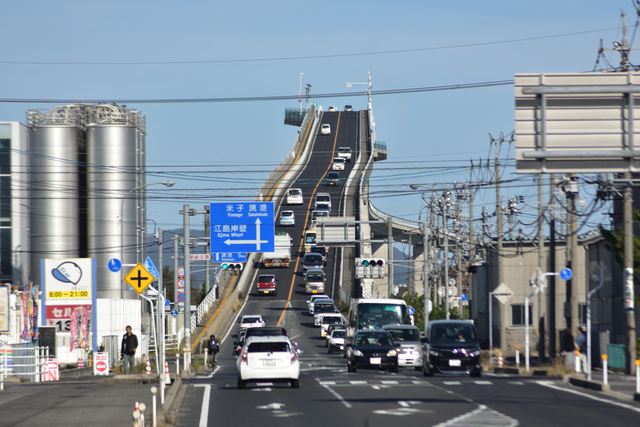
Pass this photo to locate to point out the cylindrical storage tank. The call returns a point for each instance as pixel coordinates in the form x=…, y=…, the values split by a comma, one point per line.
x=55, y=184
x=112, y=225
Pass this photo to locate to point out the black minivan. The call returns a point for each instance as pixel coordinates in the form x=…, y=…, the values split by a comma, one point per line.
x=451, y=347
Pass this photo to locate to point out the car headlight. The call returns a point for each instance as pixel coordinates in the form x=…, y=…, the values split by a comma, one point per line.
x=357, y=352
x=434, y=353
x=392, y=353
x=475, y=353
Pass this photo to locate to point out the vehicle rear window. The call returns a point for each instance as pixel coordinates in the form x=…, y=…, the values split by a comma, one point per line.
x=268, y=347
x=323, y=199
x=295, y=192
x=250, y=320
x=405, y=334
x=313, y=259
x=266, y=279
x=323, y=308
x=331, y=320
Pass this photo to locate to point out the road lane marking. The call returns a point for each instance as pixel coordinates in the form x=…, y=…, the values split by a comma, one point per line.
x=204, y=412
x=482, y=416
x=337, y=396
x=451, y=383
x=599, y=399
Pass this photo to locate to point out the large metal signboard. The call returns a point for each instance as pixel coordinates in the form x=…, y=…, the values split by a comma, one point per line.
x=242, y=227
x=577, y=123
x=336, y=231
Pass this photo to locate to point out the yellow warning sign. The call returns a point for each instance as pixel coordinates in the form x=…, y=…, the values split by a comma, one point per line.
x=139, y=278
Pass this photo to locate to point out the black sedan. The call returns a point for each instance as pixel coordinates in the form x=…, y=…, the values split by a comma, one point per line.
x=372, y=349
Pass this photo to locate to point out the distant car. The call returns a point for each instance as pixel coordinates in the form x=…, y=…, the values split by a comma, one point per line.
x=333, y=178
x=322, y=307
x=345, y=152
x=320, y=250
x=331, y=328
x=338, y=163
x=267, y=284
x=408, y=337
x=318, y=213
x=287, y=218
x=322, y=206
x=348, y=108
x=294, y=196
x=325, y=129
x=311, y=301
x=373, y=349
x=329, y=319
x=269, y=358
x=311, y=260
x=252, y=321
x=336, y=339
x=332, y=108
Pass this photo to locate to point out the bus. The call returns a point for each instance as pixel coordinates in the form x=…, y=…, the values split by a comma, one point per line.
x=374, y=313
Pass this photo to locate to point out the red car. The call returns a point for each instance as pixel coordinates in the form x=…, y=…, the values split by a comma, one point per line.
x=267, y=284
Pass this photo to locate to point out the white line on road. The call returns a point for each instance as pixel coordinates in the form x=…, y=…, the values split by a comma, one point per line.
x=599, y=399
x=337, y=396
x=204, y=412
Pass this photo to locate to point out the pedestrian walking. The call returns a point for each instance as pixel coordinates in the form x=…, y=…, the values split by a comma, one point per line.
x=568, y=349
x=128, y=350
x=581, y=344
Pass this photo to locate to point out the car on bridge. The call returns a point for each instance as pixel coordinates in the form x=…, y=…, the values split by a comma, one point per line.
x=294, y=196
x=332, y=108
x=348, y=108
x=332, y=178
x=287, y=218
x=267, y=284
x=325, y=129
x=338, y=163
x=268, y=358
x=311, y=301
x=345, y=152
x=252, y=321
x=336, y=339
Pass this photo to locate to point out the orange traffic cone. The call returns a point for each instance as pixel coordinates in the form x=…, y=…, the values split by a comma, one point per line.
x=148, y=367
x=167, y=375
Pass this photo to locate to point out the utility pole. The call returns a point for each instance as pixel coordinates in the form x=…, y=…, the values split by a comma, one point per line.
x=436, y=301
x=458, y=258
x=390, y=257
x=498, y=213
x=541, y=262
x=472, y=247
x=628, y=278
x=445, y=206
x=552, y=261
x=207, y=233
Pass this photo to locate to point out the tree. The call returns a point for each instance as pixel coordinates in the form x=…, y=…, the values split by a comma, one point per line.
x=615, y=243
x=167, y=282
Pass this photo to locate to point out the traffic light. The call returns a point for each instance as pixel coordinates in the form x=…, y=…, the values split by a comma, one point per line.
x=232, y=266
x=372, y=262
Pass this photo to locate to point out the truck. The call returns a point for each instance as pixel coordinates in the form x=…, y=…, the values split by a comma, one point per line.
x=281, y=256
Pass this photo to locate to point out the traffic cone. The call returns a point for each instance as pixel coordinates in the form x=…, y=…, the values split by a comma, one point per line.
x=500, y=364
x=167, y=375
x=148, y=367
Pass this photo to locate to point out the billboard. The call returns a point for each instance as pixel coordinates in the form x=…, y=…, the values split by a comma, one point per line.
x=577, y=123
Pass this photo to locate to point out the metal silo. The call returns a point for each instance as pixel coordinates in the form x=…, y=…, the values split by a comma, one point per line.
x=55, y=225
x=115, y=228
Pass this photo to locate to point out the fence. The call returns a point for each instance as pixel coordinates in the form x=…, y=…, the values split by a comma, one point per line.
x=24, y=361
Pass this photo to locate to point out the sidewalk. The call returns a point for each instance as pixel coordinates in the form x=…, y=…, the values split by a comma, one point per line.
x=87, y=400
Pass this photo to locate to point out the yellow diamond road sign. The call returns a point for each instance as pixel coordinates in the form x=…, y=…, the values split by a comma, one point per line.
x=139, y=278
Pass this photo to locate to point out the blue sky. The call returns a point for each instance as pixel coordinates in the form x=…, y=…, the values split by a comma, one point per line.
x=127, y=50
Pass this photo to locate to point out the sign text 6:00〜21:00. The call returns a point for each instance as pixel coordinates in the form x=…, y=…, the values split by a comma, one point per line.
x=68, y=294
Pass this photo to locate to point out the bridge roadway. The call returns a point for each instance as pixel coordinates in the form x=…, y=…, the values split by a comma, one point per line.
x=328, y=395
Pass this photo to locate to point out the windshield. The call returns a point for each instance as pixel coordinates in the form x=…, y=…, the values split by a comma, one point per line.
x=379, y=339
x=451, y=333
x=310, y=238
x=323, y=199
x=340, y=333
x=323, y=308
x=375, y=316
x=314, y=277
x=405, y=334
x=312, y=259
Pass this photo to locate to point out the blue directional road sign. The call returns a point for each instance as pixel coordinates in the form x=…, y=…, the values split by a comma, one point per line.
x=242, y=227
x=566, y=274
x=151, y=268
x=115, y=265
x=174, y=312
x=229, y=257
x=411, y=311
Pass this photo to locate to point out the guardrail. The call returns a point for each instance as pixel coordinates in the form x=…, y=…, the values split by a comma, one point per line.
x=26, y=362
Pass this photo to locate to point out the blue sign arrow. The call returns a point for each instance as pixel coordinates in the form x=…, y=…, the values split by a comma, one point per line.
x=242, y=227
x=148, y=264
x=115, y=265
x=167, y=303
x=411, y=311
x=566, y=274
x=464, y=297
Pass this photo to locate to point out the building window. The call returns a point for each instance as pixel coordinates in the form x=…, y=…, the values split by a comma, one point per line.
x=582, y=314
x=517, y=315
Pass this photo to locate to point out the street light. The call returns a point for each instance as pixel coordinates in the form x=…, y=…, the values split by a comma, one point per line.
x=300, y=93
x=165, y=183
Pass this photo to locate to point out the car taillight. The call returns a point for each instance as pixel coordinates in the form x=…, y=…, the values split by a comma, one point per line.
x=294, y=356
x=244, y=356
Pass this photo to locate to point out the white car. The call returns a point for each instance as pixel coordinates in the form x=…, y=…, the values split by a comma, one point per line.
x=313, y=299
x=338, y=163
x=408, y=338
x=345, y=152
x=348, y=108
x=329, y=319
x=325, y=129
x=320, y=308
x=252, y=321
x=336, y=340
x=268, y=358
x=294, y=196
x=332, y=108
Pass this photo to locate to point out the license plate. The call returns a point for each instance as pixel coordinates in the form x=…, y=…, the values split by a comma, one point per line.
x=314, y=292
x=455, y=362
x=375, y=360
x=269, y=363
x=266, y=292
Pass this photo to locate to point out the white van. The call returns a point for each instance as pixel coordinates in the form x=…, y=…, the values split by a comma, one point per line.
x=294, y=196
x=323, y=198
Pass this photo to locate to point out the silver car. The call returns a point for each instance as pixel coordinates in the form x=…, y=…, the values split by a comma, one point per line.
x=408, y=337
